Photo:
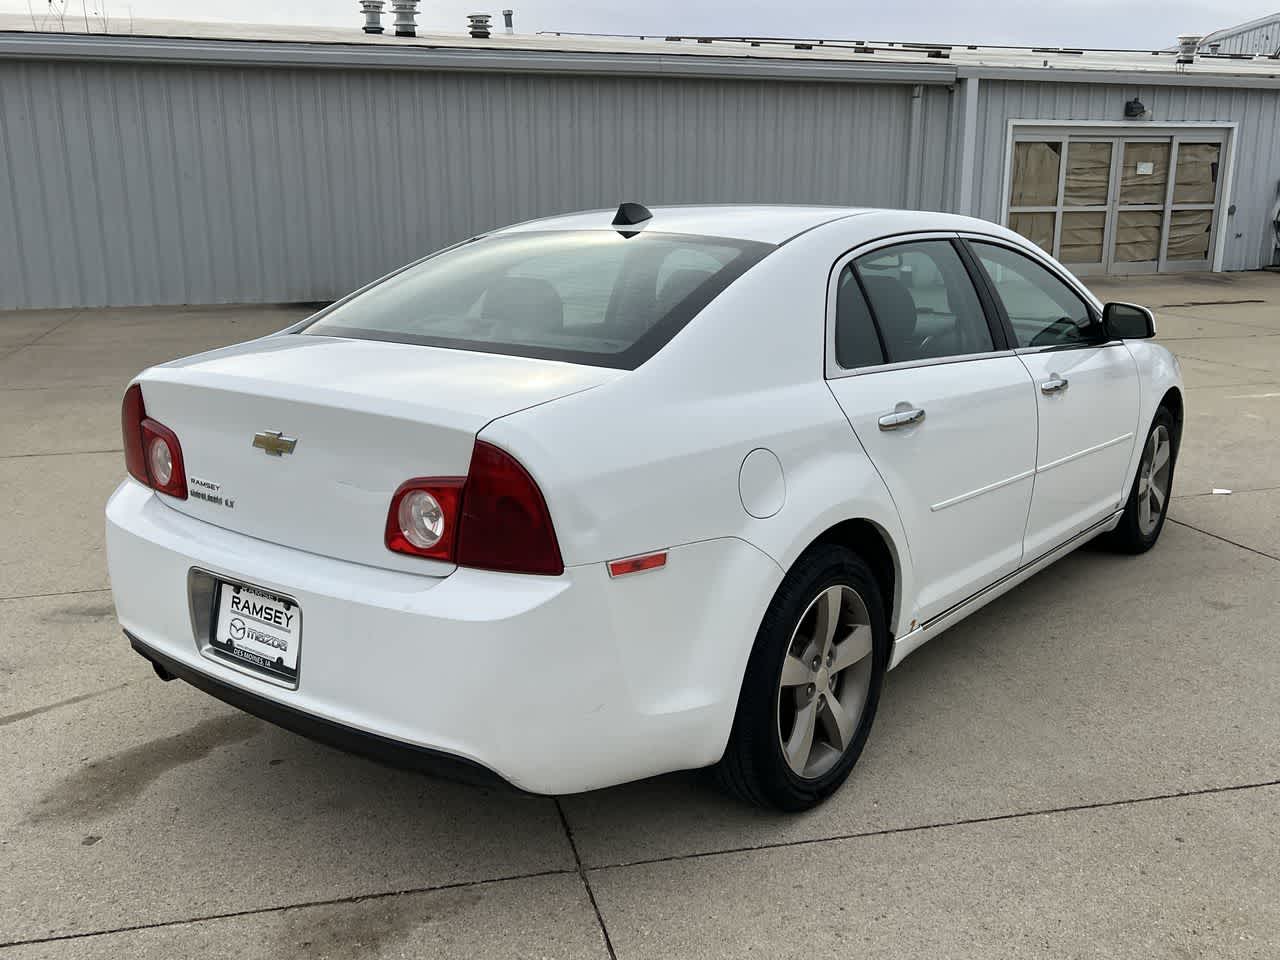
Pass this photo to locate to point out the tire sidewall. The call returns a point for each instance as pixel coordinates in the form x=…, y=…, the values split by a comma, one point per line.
x=1147, y=541
x=823, y=568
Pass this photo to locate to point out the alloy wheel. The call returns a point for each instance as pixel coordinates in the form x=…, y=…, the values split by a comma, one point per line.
x=1154, y=474
x=826, y=677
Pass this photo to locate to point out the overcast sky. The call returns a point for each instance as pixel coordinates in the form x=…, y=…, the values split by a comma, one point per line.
x=1090, y=23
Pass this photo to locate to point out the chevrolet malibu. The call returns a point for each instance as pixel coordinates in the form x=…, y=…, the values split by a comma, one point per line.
x=606, y=495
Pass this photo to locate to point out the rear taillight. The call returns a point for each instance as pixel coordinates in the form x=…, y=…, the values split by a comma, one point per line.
x=423, y=519
x=505, y=523
x=493, y=519
x=152, y=453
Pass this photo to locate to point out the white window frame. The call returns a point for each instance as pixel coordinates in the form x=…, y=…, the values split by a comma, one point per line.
x=1175, y=131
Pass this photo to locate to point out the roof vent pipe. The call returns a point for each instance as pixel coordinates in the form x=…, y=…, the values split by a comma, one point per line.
x=1188, y=44
x=405, y=11
x=478, y=24
x=372, y=15
x=506, y=19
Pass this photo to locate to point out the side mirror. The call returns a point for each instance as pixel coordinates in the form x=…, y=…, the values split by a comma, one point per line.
x=1128, y=321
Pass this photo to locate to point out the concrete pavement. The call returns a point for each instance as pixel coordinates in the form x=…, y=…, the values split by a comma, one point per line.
x=1087, y=767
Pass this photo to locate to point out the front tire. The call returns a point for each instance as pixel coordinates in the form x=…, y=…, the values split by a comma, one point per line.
x=812, y=684
x=1148, y=503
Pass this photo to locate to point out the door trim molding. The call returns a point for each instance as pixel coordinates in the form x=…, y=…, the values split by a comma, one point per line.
x=989, y=488
x=1083, y=453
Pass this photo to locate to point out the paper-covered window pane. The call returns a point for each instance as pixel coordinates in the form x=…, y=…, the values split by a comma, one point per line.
x=1138, y=235
x=1088, y=174
x=1189, y=232
x=1035, y=174
x=1196, y=179
x=1145, y=172
x=1082, y=237
x=1036, y=227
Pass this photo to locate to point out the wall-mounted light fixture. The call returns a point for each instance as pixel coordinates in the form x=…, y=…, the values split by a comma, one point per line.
x=1134, y=109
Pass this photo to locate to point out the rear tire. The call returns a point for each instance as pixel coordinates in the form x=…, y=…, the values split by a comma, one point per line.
x=1148, y=503
x=812, y=684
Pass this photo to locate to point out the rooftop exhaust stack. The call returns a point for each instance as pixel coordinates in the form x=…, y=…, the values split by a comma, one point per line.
x=372, y=15
x=478, y=24
x=405, y=11
x=506, y=19
x=1188, y=44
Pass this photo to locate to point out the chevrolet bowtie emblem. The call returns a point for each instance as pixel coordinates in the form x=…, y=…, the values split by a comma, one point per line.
x=274, y=442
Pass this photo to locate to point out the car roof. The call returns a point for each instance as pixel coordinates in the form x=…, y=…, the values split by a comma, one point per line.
x=763, y=223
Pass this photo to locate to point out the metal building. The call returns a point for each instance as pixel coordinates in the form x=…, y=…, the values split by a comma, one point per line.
x=186, y=163
x=1261, y=36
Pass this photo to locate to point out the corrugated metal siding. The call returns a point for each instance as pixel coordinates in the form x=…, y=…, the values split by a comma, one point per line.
x=154, y=184
x=1250, y=239
x=1259, y=38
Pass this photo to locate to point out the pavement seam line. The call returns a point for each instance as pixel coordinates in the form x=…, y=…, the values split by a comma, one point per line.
x=59, y=453
x=57, y=326
x=56, y=593
x=1202, y=303
x=69, y=701
x=1218, y=536
x=586, y=883
x=1239, y=336
x=1234, y=491
x=1231, y=386
x=941, y=825
x=329, y=902
x=1225, y=363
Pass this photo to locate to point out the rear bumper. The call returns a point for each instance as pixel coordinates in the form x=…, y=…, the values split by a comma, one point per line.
x=394, y=752
x=555, y=684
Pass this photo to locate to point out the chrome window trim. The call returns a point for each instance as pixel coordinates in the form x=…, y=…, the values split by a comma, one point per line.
x=832, y=368
x=1059, y=347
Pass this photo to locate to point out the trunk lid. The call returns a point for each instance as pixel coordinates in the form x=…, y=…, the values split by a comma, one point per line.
x=366, y=415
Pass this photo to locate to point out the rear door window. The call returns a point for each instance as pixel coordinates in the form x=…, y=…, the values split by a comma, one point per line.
x=594, y=297
x=857, y=344
x=923, y=302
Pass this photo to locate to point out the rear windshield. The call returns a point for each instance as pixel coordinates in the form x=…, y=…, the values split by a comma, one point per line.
x=596, y=297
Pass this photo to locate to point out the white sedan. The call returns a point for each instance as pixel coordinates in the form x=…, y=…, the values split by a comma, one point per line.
x=602, y=496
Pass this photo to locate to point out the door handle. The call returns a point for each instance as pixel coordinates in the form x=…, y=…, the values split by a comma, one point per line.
x=1054, y=385
x=901, y=418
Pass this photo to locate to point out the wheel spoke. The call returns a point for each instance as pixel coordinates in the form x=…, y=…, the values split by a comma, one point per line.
x=795, y=672
x=800, y=743
x=1144, y=512
x=827, y=620
x=1161, y=457
x=836, y=724
x=851, y=649
x=1158, y=496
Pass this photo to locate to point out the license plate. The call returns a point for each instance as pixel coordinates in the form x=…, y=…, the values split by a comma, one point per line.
x=259, y=630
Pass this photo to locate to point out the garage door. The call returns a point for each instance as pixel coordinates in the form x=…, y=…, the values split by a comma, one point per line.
x=1118, y=204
